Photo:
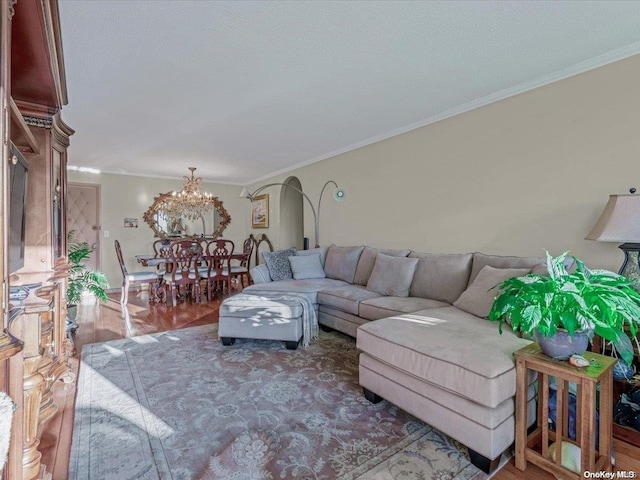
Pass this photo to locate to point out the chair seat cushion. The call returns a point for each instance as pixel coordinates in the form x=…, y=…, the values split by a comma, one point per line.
x=142, y=276
x=193, y=275
x=238, y=269
x=204, y=273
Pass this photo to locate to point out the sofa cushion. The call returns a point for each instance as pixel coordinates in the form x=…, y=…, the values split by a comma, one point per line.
x=346, y=298
x=306, y=266
x=447, y=347
x=278, y=263
x=440, y=276
x=313, y=251
x=309, y=287
x=479, y=297
x=382, y=307
x=341, y=262
x=368, y=260
x=392, y=275
x=480, y=260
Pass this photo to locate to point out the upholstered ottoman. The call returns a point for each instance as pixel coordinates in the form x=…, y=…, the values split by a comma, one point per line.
x=263, y=317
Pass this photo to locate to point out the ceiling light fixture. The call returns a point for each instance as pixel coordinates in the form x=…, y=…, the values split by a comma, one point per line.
x=191, y=203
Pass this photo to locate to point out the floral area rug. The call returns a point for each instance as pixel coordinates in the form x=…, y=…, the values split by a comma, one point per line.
x=179, y=405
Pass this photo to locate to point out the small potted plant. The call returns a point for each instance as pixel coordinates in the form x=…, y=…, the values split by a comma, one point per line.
x=569, y=308
x=81, y=278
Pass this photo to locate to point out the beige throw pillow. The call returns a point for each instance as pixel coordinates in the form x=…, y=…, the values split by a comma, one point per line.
x=478, y=298
x=392, y=276
x=341, y=262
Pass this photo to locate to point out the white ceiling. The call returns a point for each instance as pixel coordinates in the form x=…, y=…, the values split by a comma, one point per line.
x=244, y=89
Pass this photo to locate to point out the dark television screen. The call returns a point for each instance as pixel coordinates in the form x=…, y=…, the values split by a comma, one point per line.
x=18, y=172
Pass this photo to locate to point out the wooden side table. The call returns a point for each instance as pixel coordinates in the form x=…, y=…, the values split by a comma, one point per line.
x=534, y=447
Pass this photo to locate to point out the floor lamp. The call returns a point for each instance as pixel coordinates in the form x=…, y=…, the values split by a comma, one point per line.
x=338, y=195
x=620, y=223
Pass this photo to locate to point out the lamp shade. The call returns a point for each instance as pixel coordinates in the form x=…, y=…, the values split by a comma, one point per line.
x=619, y=221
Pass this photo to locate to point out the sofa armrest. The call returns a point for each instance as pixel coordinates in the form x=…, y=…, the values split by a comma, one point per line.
x=260, y=274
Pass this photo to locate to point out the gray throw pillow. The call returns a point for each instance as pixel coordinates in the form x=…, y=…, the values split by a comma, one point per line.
x=392, y=276
x=368, y=260
x=479, y=297
x=306, y=266
x=322, y=251
x=278, y=263
x=341, y=262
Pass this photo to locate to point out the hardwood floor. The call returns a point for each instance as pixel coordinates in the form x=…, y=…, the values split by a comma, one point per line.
x=99, y=323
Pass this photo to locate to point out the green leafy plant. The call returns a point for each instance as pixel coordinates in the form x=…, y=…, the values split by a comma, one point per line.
x=81, y=279
x=597, y=301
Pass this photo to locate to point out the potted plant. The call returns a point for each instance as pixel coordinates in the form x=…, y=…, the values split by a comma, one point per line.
x=81, y=278
x=572, y=305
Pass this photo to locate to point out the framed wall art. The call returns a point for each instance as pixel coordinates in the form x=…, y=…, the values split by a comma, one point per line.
x=260, y=211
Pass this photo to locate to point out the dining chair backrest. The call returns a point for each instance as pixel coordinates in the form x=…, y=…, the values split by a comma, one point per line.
x=258, y=243
x=220, y=248
x=161, y=248
x=123, y=267
x=185, y=255
x=247, y=250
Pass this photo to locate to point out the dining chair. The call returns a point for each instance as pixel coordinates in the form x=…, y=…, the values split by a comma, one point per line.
x=182, y=269
x=241, y=271
x=129, y=278
x=217, y=268
x=161, y=250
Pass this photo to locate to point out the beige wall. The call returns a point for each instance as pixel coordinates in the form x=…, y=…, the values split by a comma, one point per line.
x=128, y=196
x=528, y=173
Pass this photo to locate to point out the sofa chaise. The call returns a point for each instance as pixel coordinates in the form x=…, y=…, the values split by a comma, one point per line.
x=419, y=320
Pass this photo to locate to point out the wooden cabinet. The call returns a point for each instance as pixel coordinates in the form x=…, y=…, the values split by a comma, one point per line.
x=33, y=346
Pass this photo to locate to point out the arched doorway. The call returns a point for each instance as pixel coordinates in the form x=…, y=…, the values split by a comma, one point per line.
x=291, y=215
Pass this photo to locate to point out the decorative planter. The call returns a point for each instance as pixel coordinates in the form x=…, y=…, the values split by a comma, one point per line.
x=561, y=345
x=622, y=371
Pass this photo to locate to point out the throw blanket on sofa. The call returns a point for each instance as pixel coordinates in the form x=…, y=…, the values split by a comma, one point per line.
x=309, y=316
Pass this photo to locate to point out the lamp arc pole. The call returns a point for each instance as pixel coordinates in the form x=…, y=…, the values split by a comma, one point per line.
x=316, y=213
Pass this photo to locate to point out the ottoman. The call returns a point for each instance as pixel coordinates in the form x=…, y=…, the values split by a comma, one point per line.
x=261, y=317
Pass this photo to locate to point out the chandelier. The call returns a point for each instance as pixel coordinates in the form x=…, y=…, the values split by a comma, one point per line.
x=191, y=203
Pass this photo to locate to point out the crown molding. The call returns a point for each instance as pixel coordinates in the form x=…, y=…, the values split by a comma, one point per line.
x=558, y=75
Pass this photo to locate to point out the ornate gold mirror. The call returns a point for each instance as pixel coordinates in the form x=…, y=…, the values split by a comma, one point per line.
x=210, y=224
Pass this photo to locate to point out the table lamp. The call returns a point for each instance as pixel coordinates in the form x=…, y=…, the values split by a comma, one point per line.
x=620, y=222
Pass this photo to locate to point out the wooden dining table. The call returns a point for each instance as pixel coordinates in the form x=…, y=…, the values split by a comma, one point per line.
x=150, y=260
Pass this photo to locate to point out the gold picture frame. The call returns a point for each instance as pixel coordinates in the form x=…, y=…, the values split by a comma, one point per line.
x=260, y=211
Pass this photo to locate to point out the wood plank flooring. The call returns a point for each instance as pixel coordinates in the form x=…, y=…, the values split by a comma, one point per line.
x=99, y=323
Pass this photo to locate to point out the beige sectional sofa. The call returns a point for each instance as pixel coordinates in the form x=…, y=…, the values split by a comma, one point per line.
x=425, y=346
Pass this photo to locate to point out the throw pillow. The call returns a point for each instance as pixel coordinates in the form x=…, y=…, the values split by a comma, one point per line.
x=278, y=263
x=315, y=251
x=392, y=276
x=368, y=260
x=478, y=298
x=341, y=262
x=306, y=266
